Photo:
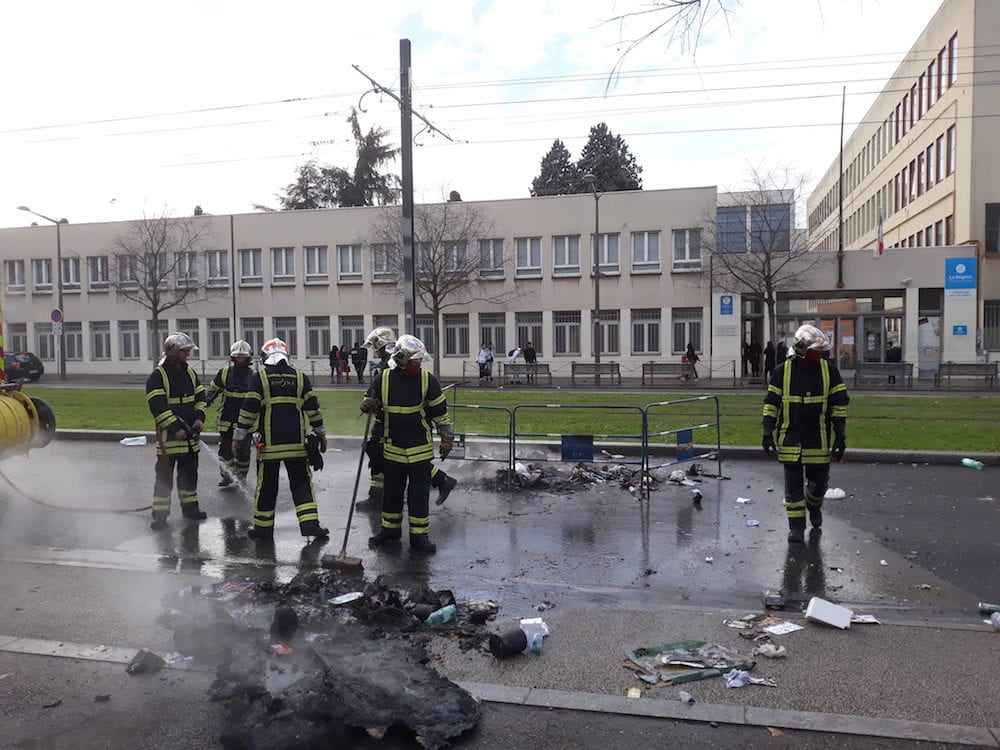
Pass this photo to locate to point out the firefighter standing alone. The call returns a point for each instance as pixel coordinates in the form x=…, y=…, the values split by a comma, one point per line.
x=407, y=399
x=232, y=381
x=806, y=400
x=176, y=400
x=279, y=400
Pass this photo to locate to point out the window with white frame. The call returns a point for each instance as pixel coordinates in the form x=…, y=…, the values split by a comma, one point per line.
x=218, y=338
x=645, y=251
x=349, y=264
x=493, y=330
x=317, y=264
x=608, y=331
x=456, y=335
x=687, y=250
x=567, y=332
x=282, y=265
x=253, y=332
x=191, y=328
x=352, y=331
x=17, y=337
x=528, y=326
x=317, y=336
x=491, y=259
x=156, y=337
x=425, y=331
x=128, y=339
x=97, y=270
x=607, y=250
x=100, y=340
x=13, y=274
x=186, y=269
x=217, y=263
x=41, y=275
x=687, y=328
x=454, y=256
x=73, y=341
x=566, y=255
x=251, y=273
x=383, y=254
x=127, y=277
x=45, y=341
x=286, y=330
x=646, y=331
x=387, y=321
x=528, y=253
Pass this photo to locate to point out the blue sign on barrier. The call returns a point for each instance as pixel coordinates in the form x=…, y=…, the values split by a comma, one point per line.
x=578, y=448
x=685, y=445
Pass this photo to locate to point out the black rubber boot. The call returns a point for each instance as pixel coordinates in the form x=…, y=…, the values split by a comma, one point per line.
x=260, y=534
x=421, y=544
x=816, y=517
x=796, y=530
x=225, y=481
x=384, y=537
x=445, y=489
x=159, y=520
x=192, y=512
x=312, y=528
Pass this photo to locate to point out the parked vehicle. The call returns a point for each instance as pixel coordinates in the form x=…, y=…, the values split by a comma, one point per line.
x=24, y=366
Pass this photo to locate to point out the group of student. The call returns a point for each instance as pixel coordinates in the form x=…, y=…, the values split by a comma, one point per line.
x=485, y=358
x=341, y=359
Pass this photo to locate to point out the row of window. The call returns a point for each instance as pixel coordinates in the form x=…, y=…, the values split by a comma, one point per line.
x=528, y=263
x=940, y=75
x=565, y=334
x=761, y=228
x=938, y=234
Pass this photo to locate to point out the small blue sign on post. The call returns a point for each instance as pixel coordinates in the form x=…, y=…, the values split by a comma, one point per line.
x=960, y=278
x=726, y=304
x=578, y=448
x=960, y=330
x=685, y=445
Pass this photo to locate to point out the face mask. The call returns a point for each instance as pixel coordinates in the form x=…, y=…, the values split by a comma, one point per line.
x=412, y=367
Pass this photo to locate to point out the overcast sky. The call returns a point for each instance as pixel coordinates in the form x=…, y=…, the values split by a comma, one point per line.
x=113, y=109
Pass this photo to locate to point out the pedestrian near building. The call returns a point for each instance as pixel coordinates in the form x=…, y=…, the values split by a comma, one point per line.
x=280, y=401
x=483, y=359
x=806, y=401
x=512, y=356
x=359, y=358
x=780, y=353
x=336, y=365
x=769, y=361
x=177, y=402
x=407, y=399
x=531, y=359
x=232, y=383
x=693, y=359
x=755, y=351
x=345, y=363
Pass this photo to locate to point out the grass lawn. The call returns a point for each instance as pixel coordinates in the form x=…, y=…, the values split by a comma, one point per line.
x=955, y=423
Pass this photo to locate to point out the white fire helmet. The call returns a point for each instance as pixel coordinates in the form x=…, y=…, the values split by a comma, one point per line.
x=380, y=338
x=178, y=342
x=275, y=351
x=240, y=350
x=406, y=349
x=808, y=338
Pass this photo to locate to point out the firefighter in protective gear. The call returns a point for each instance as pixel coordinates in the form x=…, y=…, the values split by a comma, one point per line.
x=279, y=400
x=407, y=399
x=232, y=382
x=807, y=402
x=176, y=400
x=380, y=341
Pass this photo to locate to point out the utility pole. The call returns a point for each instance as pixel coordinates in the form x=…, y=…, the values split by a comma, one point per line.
x=406, y=154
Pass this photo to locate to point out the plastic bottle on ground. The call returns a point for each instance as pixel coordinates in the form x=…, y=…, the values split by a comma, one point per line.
x=440, y=616
x=995, y=619
x=972, y=464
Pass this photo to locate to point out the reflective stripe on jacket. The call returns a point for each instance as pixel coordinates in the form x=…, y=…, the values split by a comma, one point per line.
x=409, y=405
x=279, y=401
x=174, y=394
x=232, y=382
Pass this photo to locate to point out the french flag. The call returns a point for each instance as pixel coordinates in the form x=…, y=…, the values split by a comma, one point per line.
x=880, y=245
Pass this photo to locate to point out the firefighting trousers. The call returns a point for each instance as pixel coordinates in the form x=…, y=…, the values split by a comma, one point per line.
x=415, y=481
x=266, y=496
x=187, y=480
x=240, y=462
x=800, y=492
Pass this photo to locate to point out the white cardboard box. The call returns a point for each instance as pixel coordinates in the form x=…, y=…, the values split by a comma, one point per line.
x=828, y=613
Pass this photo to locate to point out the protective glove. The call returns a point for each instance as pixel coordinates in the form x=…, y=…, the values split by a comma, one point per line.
x=198, y=426
x=180, y=434
x=370, y=405
x=767, y=443
x=839, y=446
x=446, y=446
x=322, y=441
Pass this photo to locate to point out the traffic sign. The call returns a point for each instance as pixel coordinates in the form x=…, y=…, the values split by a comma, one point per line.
x=56, y=315
x=57, y=329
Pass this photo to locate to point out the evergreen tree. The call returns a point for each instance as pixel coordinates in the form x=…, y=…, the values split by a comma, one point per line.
x=608, y=158
x=558, y=174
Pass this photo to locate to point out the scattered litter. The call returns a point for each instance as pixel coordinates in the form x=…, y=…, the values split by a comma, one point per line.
x=282, y=649
x=972, y=463
x=548, y=605
x=677, y=475
x=633, y=692
x=531, y=625
x=353, y=596
x=775, y=732
x=923, y=586
x=740, y=678
x=684, y=697
x=285, y=623
x=710, y=559
x=753, y=522
x=93, y=651
x=144, y=661
x=738, y=624
x=227, y=590
x=769, y=650
x=53, y=704
x=782, y=628
x=770, y=489
x=864, y=620
x=5, y=675
x=696, y=496
x=835, y=569
x=743, y=500
x=441, y=616
x=883, y=563
x=774, y=600
x=616, y=456
x=752, y=617
x=985, y=608
x=835, y=493
x=910, y=556
x=175, y=657
x=511, y=643
x=995, y=620
x=828, y=613
x=685, y=661
x=141, y=440
x=102, y=698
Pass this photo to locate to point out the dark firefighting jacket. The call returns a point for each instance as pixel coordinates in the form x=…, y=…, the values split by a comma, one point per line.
x=232, y=382
x=280, y=400
x=176, y=400
x=410, y=404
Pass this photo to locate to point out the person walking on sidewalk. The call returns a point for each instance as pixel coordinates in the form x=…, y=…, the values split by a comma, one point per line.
x=531, y=359
x=336, y=365
x=359, y=358
x=232, y=381
x=806, y=401
x=407, y=399
x=279, y=401
x=769, y=360
x=693, y=359
x=177, y=402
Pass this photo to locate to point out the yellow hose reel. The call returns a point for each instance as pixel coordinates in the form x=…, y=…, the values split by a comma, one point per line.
x=25, y=422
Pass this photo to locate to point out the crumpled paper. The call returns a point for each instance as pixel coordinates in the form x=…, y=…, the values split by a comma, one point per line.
x=738, y=678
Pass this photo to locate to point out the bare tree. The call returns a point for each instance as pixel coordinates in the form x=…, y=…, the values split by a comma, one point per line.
x=451, y=266
x=753, y=245
x=154, y=264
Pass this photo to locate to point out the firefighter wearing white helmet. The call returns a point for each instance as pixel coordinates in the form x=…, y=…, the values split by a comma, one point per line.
x=279, y=402
x=806, y=402
x=232, y=383
x=406, y=401
x=176, y=400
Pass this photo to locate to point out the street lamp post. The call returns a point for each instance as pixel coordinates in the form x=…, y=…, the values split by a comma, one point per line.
x=59, y=284
x=591, y=179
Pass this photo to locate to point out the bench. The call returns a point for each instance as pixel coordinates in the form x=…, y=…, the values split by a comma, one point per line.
x=682, y=370
x=986, y=370
x=884, y=374
x=525, y=372
x=590, y=369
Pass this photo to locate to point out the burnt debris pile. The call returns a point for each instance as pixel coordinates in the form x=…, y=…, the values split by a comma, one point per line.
x=553, y=477
x=328, y=657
